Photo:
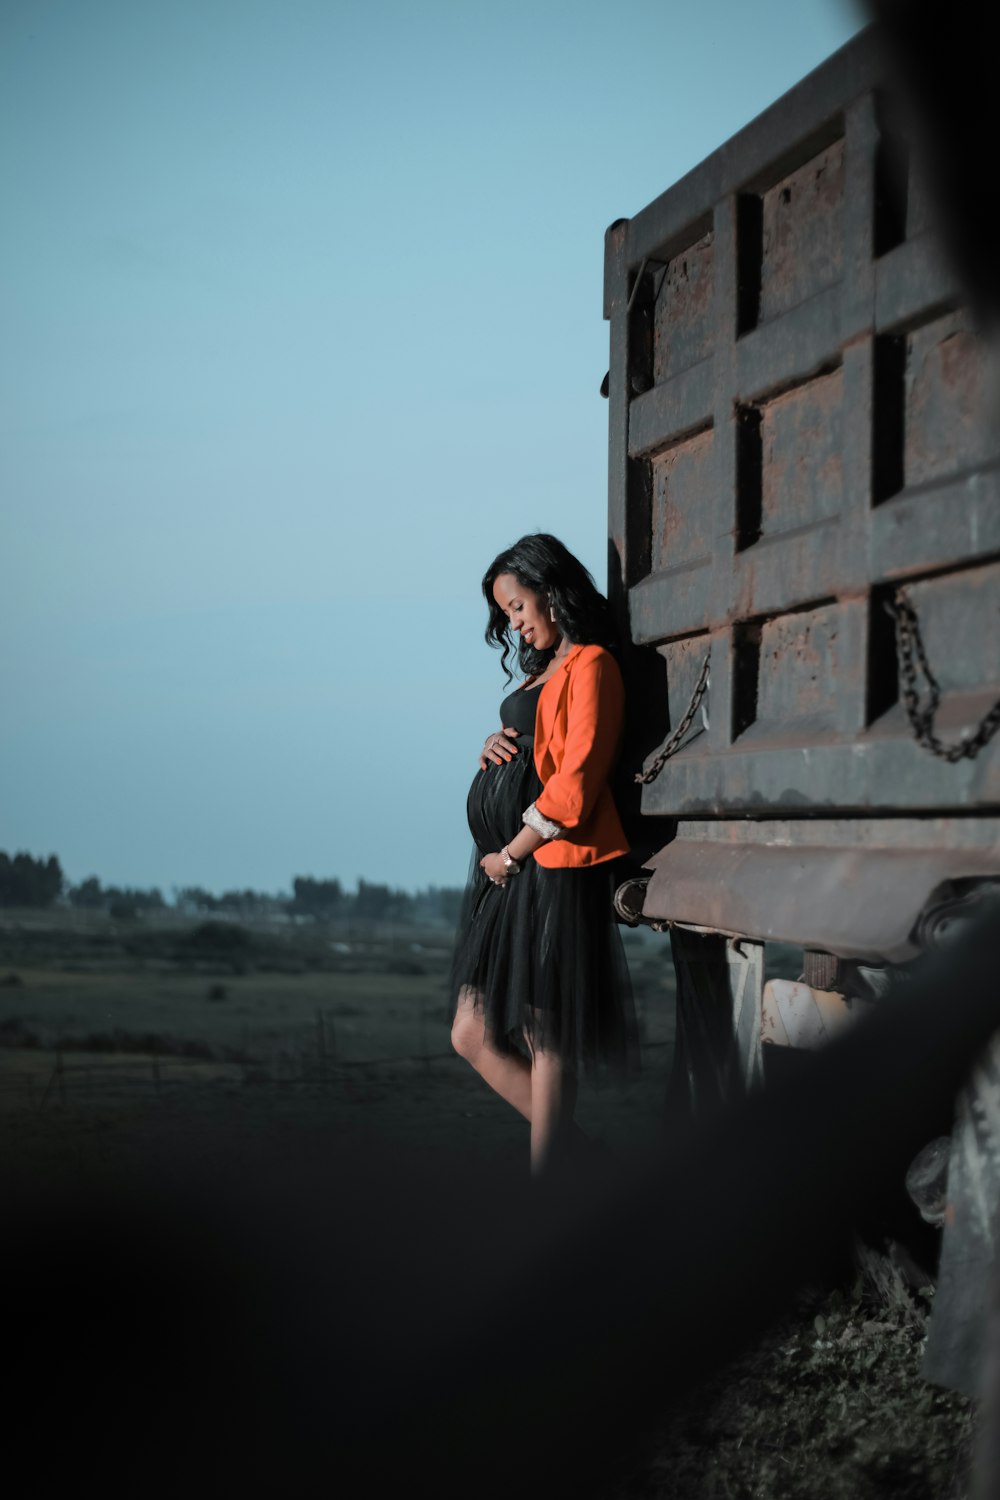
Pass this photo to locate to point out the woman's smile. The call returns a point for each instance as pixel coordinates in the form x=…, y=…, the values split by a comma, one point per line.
x=527, y=612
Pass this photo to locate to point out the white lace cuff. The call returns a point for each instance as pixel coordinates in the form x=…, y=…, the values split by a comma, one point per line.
x=541, y=824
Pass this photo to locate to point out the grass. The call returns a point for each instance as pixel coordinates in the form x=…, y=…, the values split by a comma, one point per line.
x=372, y=1015
x=225, y=990
x=116, y=1043
x=830, y=1405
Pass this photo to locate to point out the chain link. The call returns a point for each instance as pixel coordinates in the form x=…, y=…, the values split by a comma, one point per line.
x=910, y=645
x=912, y=656
x=701, y=687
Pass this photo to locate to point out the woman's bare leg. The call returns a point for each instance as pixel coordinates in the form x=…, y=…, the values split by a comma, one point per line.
x=508, y=1075
x=553, y=1100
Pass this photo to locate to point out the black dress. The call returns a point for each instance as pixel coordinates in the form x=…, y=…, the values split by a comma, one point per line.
x=541, y=953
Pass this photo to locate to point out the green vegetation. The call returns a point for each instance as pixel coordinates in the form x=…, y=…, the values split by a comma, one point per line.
x=38, y=884
x=829, y=1405
x=131, y=1031
x=25, y=881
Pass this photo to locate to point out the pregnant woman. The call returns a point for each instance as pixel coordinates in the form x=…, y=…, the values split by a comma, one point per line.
x=540, y=990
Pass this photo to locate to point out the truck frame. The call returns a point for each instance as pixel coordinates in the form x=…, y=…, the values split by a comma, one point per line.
x=804, y=540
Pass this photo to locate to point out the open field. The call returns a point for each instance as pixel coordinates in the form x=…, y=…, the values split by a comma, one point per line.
x=134, y=1046
x=150, y=1030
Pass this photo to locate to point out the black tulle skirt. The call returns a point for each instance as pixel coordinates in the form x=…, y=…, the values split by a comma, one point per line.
x=541, y=955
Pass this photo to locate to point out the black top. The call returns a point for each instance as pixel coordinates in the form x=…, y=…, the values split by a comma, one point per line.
x=517, y=711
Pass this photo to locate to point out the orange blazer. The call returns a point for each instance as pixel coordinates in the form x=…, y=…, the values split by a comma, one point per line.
x=578, y=734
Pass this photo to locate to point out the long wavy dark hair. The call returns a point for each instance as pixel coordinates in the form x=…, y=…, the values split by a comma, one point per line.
x=541, y=563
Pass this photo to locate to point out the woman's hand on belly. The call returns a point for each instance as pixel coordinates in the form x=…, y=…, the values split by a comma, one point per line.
x=499, y=748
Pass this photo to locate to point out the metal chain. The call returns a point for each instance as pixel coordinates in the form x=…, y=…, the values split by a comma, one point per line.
x=910, y=645
x=675, y=739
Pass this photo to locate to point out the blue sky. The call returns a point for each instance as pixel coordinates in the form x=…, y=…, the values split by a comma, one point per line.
x=301, y=323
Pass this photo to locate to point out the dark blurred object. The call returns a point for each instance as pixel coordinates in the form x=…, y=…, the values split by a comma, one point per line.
x=927, y=1179
x=943, y=61
x=366, y=1319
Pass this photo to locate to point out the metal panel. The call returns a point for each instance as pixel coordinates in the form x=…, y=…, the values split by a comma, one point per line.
x=801, y=421
x=682, y=331
x=848, y=887
x=957, y=1352
x=680, y=473
x=719, y=987
x=802, y=221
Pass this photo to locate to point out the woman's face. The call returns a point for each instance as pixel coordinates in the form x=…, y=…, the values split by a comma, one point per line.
x=527, y=612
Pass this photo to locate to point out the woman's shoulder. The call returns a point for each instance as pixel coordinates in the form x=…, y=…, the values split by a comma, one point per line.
x=595, y=678
x=593, y=655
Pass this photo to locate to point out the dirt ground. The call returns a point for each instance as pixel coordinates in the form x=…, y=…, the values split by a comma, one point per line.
x=128, y=1051
x=115, y=1039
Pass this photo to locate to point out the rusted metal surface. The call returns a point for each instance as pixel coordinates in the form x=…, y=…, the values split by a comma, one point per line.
x=786, y=452
x=956, y=1341
x=794, y=1014
x=802, y=222
x=719, y=986
x=802, y=417
x=800, y=464
x=682, y=331
x=803, y=421
x=680, y=473
x=855, y=888
x=950, y=418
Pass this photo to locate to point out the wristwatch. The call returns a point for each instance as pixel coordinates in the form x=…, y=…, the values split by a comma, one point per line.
x=510, y=863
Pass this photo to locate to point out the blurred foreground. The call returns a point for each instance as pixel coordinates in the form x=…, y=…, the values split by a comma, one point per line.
x=278, y=1240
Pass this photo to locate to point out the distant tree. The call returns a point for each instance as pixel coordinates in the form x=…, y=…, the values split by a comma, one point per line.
x=25, y=881
x=445, y=903
x=251, y=903
x=378, y=903
x=87, y=894
x=118, y=901
x=320, y=899
x=450, y=903
x=438, y=905
x=194, y=898
x=372, y=901
x=126, y=902
x=8, y=882
x=402, y=907
x=245, y=903
x=240, y=903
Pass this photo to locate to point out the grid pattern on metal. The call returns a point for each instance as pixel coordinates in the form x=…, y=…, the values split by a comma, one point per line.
x=800, y=420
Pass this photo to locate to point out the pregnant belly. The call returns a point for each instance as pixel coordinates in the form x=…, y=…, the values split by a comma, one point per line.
x=497, y=798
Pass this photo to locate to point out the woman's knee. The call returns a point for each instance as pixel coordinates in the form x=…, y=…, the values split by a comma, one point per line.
x=468, y=1027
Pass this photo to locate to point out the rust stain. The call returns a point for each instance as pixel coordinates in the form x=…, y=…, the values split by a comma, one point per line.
x=680, y=522
x=802, y=454
x=682, y=330
x=803, y=238
x=948, y=420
